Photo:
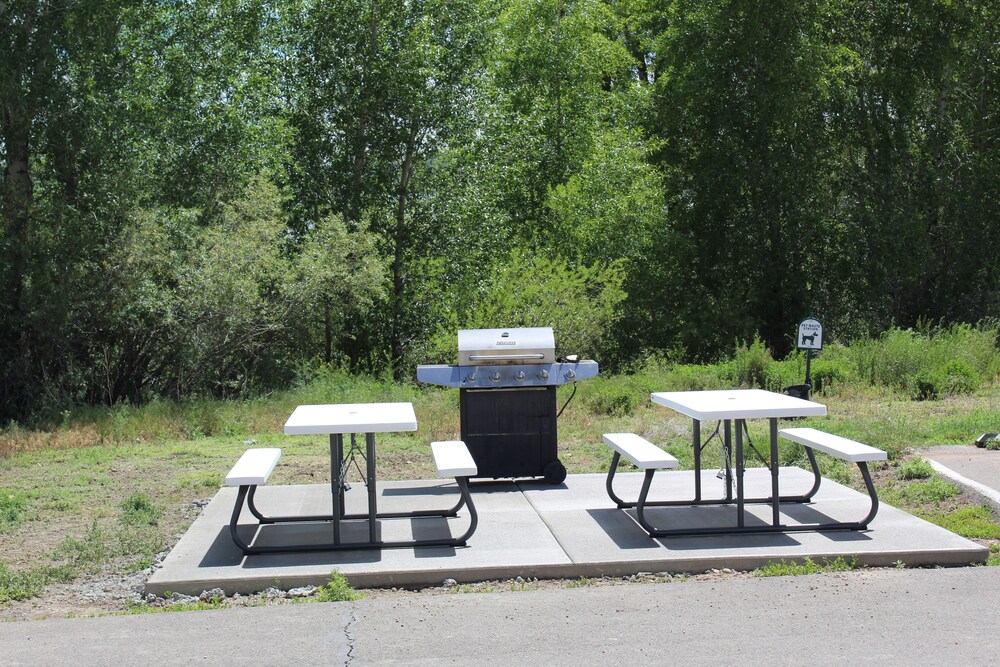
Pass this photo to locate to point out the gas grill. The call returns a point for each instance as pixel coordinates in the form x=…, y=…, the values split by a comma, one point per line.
x=507, y=380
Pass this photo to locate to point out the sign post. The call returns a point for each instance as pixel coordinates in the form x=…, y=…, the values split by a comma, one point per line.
x=810, y=337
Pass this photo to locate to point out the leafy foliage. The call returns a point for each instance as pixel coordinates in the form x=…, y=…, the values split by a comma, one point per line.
x=204, y=198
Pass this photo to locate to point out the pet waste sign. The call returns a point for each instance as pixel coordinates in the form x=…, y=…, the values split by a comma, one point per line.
x=810, y=334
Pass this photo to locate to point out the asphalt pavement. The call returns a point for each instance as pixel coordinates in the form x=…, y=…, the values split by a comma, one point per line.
x=916, y=616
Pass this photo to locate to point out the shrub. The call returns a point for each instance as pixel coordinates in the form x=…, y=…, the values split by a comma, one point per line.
x=928, y=385
x=613, y=403
x=960, y=377
x=750, y=364
x=523, y=290
x=827, y=373
x=915, y=469
x=993, y=444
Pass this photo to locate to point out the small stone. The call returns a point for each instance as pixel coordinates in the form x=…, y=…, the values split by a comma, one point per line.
x=180, y=598
x=213, y=594
x=519, y=580
x=151, y=598
x=449, y=583
x=645, y=574
x=249, y=442
x=728, y=570
x=301, y=591
x=272, y=592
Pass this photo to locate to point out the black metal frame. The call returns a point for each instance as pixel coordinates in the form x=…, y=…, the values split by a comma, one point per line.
x=775, y=499
x=338, y=472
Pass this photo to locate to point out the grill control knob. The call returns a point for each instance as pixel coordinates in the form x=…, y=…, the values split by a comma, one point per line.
x=495, y=376
x=543, y=375
x=519, y=375
x=471, y=378
x=570, y=375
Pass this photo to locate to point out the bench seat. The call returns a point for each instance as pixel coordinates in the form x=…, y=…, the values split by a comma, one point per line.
x=453, y=459
x=254, y=467
x=640, y=452
x=847, y=450
x=834, y=445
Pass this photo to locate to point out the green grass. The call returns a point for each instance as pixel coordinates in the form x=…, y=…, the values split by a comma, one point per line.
x=931, y=491
x=971, y=522
x=806, y=566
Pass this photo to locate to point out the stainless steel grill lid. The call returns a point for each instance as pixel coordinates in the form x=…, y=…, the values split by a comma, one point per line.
x=480, y=347
x=493, y=358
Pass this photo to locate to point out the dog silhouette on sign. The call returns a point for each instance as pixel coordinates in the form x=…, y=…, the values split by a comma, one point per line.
x=811, y=338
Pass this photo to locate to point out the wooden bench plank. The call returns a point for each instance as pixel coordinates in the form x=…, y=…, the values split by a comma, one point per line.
x=834, y=445
x=453, y=459
x=254, y=467
x=639, y=451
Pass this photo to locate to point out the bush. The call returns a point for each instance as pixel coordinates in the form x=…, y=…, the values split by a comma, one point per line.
x=960, y=377
x=915, y=469
x=927, y=385
x=827, y=373
x=750, y=364
x=523, y=290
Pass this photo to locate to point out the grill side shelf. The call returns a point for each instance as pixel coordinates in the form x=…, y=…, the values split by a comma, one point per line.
x=506, y=376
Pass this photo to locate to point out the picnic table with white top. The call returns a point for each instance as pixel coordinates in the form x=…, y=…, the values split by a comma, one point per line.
x=730, y=407
x=354, y=419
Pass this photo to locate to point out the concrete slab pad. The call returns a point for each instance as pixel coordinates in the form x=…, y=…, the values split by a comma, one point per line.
x=594, y=532
x=535, y=530
x=511, y=540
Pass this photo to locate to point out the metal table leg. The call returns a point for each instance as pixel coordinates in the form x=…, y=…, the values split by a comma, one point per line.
x=697, y=460
x=740, y=519
x=775, y=497
x=372, y=497
x=336, y=482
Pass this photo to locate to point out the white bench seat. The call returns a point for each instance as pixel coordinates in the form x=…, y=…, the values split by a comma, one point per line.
x=834, y=445
x=453, y=459
x=254, y=467
x=640, y=452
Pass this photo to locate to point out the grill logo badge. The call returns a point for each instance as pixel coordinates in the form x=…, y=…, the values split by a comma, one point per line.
x=506, y=342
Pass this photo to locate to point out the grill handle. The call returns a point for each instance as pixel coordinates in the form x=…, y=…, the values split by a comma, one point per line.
x=497, y=357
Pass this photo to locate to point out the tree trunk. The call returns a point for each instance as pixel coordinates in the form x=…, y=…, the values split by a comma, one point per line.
x=399, y=240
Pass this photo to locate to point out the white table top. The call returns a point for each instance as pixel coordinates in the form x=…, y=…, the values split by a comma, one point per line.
x=351, y=418
x=737, y=404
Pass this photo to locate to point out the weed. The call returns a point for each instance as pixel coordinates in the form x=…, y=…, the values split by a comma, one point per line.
x=21, y=585
x=807, y=566
x=582, y=582
x=338, y=589
x=139, y=510
x=993, y=444
x=994, y=557
x=917, y=468
x=12, y=506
